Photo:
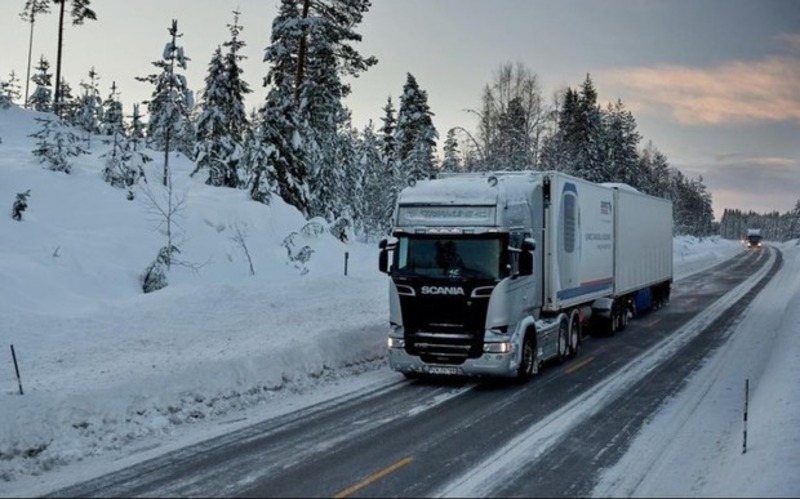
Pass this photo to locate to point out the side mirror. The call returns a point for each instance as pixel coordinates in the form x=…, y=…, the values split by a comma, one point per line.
x=385, y=245
x=526, y=256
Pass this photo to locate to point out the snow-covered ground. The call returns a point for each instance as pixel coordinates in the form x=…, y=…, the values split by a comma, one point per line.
x=112, y=376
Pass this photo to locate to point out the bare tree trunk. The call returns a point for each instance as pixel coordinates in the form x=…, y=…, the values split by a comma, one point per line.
x=57, y=96
x=30, y=50
x=301, y=57
x=166, y=156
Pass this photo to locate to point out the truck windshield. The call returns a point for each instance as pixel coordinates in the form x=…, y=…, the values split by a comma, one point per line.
x=450, y=256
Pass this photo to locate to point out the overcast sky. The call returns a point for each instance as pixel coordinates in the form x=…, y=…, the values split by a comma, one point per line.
x=714, y=84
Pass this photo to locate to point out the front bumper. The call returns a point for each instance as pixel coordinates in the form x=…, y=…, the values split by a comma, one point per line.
x=489, y=364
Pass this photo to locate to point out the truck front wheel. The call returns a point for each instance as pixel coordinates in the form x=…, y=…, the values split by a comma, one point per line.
x=529, y=364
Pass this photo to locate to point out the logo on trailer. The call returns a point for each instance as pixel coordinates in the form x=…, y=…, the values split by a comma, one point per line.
x=442, y=290
x=605, y=207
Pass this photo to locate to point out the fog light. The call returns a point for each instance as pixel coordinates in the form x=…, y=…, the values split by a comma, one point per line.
x=502, y=347
x=396, y=342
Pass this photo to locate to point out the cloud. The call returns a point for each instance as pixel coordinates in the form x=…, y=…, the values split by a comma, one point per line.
x=790, y=40
x=750, y=183
x=733, y=93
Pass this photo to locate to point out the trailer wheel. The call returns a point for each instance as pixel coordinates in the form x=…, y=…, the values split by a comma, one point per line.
x=574, y=333
x=623, y=315
x=529, y=364
x=613, y=321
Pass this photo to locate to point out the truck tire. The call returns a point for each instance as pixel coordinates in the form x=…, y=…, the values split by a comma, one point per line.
x=529, y=364
x=563, y=340
x=609, y=326
x=623, y=316
x=574, y=333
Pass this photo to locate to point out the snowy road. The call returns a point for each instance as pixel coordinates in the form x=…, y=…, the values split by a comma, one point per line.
x=458, y=438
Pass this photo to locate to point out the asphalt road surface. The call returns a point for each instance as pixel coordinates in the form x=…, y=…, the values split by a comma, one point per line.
x=550, y=437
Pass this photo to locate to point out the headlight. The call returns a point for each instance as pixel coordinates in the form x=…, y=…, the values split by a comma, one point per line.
x=501, y=347
x=396, y=342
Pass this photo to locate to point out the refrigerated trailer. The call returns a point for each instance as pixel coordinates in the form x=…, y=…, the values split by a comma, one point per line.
x=493, y=274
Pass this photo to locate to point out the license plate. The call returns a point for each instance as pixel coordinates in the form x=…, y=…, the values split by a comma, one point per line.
x=447, y=370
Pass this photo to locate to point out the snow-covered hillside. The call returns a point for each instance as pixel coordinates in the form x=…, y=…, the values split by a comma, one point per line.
x=112, y=375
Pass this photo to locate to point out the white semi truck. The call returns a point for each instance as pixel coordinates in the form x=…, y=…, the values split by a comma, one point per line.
x=492, y=274
x=753, y=238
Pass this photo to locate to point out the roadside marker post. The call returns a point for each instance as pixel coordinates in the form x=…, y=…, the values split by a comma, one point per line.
x=16, y=368
x=746, y=397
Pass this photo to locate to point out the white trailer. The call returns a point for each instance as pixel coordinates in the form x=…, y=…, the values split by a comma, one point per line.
x=495, y=273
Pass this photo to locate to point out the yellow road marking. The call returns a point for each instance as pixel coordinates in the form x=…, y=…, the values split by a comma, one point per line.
x=575, y=367
x=373, y=478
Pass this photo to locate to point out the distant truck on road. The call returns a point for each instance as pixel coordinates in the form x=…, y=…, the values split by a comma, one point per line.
x=492, y=274
x=753, y=238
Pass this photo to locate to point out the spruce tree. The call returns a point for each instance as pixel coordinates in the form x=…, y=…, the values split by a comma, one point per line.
x=89, y=105
x=169, y=126
x=375, y=186
x=222, y=121
x=112, y=120
x=328, y=33
x=214, y=151
x=415, y=134
x=42, y=97
x=9, y=91
x=261, y=179
x=56, y=144
x=451, y=161
x=392, y=179
x=279, y=128
x=620, y=153
x=587, y=136
x=135, y=156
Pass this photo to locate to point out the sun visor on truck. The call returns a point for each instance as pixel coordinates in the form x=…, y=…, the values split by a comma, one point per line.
x=446, y=216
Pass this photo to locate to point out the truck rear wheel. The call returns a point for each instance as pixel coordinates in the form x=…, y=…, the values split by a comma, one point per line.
x=563, y=340
x=574, y=333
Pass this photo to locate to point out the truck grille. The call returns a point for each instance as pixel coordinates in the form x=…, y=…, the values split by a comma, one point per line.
x=444, y=330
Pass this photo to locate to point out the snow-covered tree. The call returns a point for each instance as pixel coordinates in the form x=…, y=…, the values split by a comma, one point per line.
x=654, y=166
x=388, y=143
x=415, y=133
x=90, y=105
x=135, y=156
x=255, y=165
x=392, y=178
x=70, y=106
x=328, y=56
x=375, y=186
x=279, y=128
x=620, y=153
x=9, y=91
x=238, y=122
x=452, y=160
x=115, y=170
x=56, y=144
x=222, y=120
x=111, y=119
x=587, y=135
x=20, y=205
x=169, y=108
x=42, y=97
